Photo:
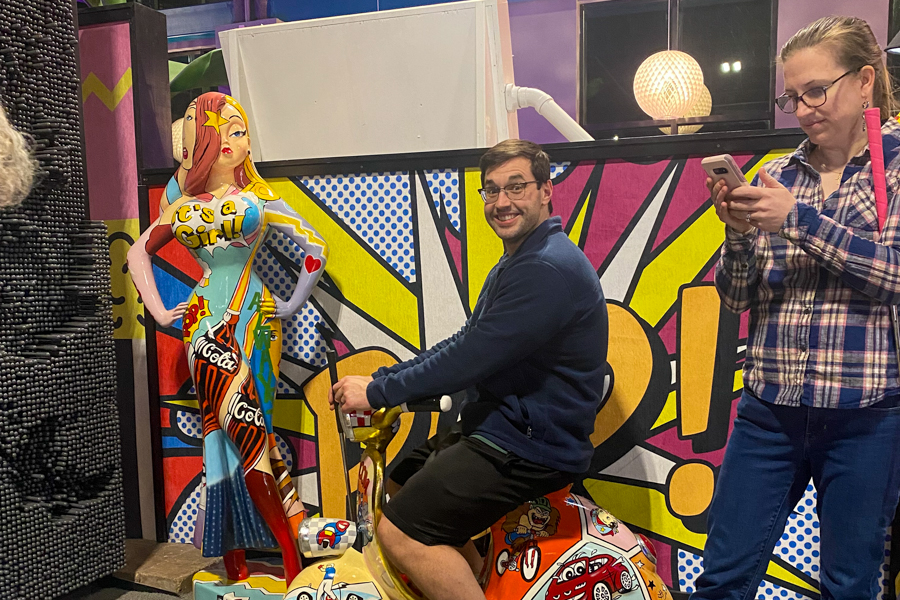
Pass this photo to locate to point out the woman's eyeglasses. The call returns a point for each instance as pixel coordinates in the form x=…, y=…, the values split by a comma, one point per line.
x=813, y=97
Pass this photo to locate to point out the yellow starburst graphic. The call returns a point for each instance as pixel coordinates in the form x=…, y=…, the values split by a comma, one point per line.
x=214, y=119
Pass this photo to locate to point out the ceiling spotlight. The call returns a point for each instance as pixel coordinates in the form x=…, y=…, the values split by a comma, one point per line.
x=725, y=67
x=736, y=66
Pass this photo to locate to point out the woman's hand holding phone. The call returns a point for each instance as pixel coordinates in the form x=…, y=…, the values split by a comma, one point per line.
x=725, y=177
x=737, y=220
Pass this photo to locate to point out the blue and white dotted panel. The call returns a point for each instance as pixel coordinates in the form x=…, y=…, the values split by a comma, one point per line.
x=301, y=340
x=377, y=207
x=444, y=186
x=799, y=544
x=299, y=336
x=689, y=568
x=189, y=423
x=287, y=454
x=284, y=388
x=770, y=591
x=556, y=169
x=274, y=276
x=182, y=529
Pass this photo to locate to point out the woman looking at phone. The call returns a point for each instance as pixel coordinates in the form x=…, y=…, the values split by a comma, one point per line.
x=821, y=395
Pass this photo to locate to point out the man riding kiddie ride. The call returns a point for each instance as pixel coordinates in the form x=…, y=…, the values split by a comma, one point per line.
x=560, y=546
x=532, y=360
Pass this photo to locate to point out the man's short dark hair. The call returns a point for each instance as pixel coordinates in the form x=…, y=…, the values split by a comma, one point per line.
x=510, y=149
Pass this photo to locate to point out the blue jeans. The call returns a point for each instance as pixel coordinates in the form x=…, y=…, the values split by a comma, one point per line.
x=853, y=459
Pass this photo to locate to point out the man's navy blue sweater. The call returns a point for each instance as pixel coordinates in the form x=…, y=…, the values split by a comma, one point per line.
x=531, y=357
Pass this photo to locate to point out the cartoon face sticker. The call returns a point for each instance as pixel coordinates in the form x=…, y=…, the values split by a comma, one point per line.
x=330, y=535
x=538, y=515
x=604, y=522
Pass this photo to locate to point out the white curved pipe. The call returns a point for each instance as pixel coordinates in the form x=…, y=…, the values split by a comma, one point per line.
x=521, y=97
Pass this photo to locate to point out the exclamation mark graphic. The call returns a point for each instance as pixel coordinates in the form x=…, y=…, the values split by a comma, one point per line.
x=707, y=355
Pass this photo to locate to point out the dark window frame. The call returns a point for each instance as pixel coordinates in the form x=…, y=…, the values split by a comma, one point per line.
x=648, y=126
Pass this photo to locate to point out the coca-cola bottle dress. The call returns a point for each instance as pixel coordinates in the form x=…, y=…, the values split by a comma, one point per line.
x=234, y=374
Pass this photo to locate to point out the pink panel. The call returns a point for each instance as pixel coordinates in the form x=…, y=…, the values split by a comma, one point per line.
x=623, y=188
x=455, y=251
x=109, y=129
x=669, y=441
x=664, y=561
x=304, y=452
x=567, y=193
x=690, y=194
x=668, y=334
x=340, y=348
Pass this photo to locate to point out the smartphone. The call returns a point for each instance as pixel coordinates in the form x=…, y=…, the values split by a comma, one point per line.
x=723, y=166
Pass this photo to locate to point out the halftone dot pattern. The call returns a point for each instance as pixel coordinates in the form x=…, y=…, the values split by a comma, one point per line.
x=556, y=169
x=884, y=581
x=770, y=591
x=301, y=340
x=271, y=271
x=287, y=453
x=444, y=185
x=799, y=544
x=299, y=336
x=182, y=529
x=189, y=423
x=377, y=207
x=689, y=567
x=284, y=388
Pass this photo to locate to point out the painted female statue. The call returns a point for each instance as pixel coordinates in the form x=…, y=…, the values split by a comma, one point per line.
x=221, y=210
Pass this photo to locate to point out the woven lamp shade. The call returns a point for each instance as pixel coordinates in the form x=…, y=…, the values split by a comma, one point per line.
x=702, y=108
x=668, y=84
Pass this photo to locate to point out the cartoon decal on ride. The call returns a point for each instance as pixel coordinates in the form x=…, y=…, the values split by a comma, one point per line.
x=324, y=591
x=330, y=535
x=600, y=575
x=365, y=525
x=338, y=591
x=604, y=522
x=343, y=576
x=532, y=520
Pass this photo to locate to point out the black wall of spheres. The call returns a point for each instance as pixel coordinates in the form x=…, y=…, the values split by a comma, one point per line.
x=61, y=509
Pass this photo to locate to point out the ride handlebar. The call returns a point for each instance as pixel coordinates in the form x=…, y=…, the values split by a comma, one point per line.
x=442, y=404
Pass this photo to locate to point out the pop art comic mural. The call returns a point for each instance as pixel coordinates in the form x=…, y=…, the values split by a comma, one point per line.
x=409, y=251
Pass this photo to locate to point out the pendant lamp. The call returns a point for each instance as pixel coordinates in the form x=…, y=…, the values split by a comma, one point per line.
x=668, y=84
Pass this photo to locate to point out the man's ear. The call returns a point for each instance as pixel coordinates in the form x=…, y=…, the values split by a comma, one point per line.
x=546, y=192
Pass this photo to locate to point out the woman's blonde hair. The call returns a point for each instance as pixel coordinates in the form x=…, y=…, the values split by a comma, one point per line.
x=17, y=165
x=854, y=47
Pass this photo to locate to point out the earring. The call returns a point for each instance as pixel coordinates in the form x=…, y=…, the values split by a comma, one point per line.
x=865, y=106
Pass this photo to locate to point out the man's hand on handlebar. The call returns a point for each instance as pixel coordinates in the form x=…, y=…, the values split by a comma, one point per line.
x=350, y=394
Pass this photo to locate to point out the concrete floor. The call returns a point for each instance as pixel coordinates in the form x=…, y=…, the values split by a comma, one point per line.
x=110, y=588
x=152, y=571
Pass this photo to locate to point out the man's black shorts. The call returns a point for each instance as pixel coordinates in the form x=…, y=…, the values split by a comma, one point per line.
x=456, y=486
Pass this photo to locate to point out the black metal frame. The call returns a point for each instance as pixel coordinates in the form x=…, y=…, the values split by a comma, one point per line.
x=633, y=149
x=147, y=32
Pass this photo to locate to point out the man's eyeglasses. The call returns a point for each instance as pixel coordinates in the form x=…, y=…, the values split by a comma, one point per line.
x=514, y=191
x=813, y=97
